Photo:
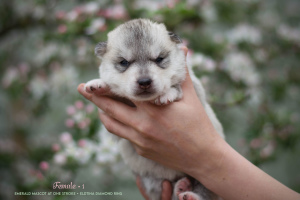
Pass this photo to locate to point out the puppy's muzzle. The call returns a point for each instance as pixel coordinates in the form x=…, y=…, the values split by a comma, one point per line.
x=144, y=83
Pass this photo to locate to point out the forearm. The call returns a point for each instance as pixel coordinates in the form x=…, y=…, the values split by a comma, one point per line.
x=234, y=177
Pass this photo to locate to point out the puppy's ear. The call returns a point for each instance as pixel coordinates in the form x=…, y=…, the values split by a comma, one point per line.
x=100, y=49
x=175, y=38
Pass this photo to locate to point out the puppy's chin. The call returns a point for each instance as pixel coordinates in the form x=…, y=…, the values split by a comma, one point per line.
x=144, y=96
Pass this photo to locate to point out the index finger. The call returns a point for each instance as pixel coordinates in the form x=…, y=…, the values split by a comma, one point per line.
x=166, y=193
x=141, y=188
x=166, y=190
x=115, y=109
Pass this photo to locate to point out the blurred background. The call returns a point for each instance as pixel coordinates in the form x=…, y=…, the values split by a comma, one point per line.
x=245, y=52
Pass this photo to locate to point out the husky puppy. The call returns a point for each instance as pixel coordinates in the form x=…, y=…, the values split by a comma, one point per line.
x=142, y=61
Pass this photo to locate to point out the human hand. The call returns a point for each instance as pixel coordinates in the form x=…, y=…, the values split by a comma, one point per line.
x=166, y=189
x=179, y=135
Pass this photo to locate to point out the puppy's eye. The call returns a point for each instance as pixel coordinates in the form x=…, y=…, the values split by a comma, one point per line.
x=124, y=63
x=159, y=59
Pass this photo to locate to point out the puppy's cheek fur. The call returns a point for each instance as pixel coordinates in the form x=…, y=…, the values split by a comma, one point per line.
x=122, y=84
x=161, y=78
x=129, y=79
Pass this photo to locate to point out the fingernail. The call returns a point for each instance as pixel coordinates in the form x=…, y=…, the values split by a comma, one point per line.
x=80, y=87
x=86, y=95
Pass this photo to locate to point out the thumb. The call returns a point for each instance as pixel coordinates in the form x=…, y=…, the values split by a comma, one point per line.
x=187, y=84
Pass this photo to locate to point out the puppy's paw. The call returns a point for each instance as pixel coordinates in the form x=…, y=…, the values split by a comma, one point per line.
x=95, y=86
x=189, y=196
x=172, y=95
x=182, y=185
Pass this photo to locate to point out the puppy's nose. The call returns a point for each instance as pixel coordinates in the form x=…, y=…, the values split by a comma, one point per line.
x=144, y=83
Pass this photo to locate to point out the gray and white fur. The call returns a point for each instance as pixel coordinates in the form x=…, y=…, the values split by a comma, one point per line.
x=142, y=61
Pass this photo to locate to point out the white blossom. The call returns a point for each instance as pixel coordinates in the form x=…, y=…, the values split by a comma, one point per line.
x=201, y=62
x=78, y=117
x=72, y=15
x=45, y=53
x=193, y=2
x=289, y=33
x=66, y=138
x=268, y=150
x=95, y=26
x=104, y=157
x=70, y=149
x=39, y=12
x=148, y=4
x=63, y=79
x=10, y=75
x=255, y=95
x=244, y=33
x=60, y=158
x=209, y=12
x=91, y=7
x=105, y=151
x=247, y=1
x=241, y=68
x=82, y=155
x=38, y=87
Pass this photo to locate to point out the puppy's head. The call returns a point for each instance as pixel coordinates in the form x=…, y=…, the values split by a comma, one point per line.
x=141, y=60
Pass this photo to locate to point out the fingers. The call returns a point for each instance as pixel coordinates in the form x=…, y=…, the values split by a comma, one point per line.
x=116, y=127
x=103, y=91
x=187, y=85
x=113, y=108
x=141, y=188
x=185, y=50
x=80, y=89
x=166, y=191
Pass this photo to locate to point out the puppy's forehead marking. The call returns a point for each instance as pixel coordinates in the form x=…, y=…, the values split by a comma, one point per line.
x=137, y=39
x=144, y=71
x=140, y=42
x=137, y=31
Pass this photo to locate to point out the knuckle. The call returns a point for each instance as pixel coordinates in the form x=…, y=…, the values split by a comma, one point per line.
x=145, y=128
x=144, y=145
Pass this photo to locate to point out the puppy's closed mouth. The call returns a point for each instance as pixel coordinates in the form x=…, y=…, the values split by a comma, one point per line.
x=144, y=93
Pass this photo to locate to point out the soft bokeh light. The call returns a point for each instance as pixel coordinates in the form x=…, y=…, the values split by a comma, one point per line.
x=246, y=53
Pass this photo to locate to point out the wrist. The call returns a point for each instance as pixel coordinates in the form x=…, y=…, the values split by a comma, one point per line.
x=209, y=168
